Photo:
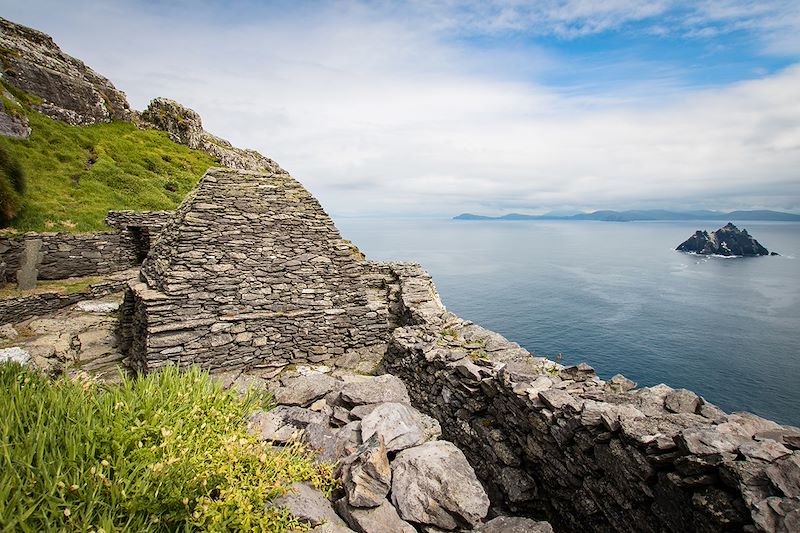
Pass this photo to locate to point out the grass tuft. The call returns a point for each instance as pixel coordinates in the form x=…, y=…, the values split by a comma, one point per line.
x=167, y=452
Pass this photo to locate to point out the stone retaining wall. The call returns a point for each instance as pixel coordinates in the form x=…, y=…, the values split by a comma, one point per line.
x=67, y=255
x=14, y=310
x=587, y=454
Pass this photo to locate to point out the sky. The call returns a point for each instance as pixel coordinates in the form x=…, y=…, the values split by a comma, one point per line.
x=434, y=108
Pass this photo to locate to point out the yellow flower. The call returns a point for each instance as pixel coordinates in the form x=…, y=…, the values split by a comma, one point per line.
x=104, y=462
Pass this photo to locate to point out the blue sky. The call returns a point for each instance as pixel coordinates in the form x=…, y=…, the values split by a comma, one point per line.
x=439, y=107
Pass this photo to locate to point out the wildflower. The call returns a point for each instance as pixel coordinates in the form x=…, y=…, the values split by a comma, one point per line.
x=73, y=488
x=67, y=512
x=104, y=462
x=60, y=485
x=157, y=467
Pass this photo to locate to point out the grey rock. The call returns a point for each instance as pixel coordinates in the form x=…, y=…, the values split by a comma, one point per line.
x=785, y=475
x=515, y=524
x=580, y=372
x=379, y=389
x=308, y=504
x=767, y=450
x=400, y=426
x=283, y=423
x=557, y=399
x=787, y=435
x=382, y=518
x=681, y=401
x=303, y=390
x=620, y=383
x=366, y=474
x=434, y=484
x=331, y=528
x=29, y=262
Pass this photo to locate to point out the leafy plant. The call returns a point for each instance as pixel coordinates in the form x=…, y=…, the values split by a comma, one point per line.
x=167, y=452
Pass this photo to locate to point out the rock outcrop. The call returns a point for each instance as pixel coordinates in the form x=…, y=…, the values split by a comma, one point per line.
x=68, y=90
x=13, y=121
x=726, y=241
x=184, y=126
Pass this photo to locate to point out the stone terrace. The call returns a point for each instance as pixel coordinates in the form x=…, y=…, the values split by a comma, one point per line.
x=250, y=273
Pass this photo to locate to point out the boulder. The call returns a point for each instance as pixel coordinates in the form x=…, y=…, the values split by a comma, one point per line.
x=681, y=401
x=366, y=474
x=380, y=519
x=400, y=426
x=283, y=423
x=434, y=484
x=303, y=390
x=308, y=504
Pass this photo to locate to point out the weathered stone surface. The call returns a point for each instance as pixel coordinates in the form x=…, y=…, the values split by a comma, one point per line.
x=303, y=390
x=70, y=91
x=13, y=120
x=29, y=264
x=366, y=475
x=785, y=475
x=681, y=401
x=283, y=423
x=434, y=484
x=399, y=425
x=382, y=518
x=308, y=504
x=380, y=389
x=514, y=524
x=15, y=354
x=184, y=126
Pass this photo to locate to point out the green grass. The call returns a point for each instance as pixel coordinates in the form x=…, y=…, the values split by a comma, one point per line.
x=76, y=174
x=168, y=452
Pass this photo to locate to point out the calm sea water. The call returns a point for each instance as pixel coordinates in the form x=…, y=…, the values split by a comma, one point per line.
x=618, y=296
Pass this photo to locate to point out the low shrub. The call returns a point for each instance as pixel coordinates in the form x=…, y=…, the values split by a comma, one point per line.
x=167, y=452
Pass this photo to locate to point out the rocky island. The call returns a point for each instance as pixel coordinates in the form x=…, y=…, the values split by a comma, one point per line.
x=728, y=241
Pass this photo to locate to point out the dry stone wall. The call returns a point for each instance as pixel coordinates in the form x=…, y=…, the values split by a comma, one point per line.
x=588, y=454
x=250, y=272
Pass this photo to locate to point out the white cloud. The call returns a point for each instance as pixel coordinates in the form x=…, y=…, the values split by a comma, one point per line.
x=381, y=114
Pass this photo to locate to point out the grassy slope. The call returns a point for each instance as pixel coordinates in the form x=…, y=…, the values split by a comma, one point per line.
x=76, y=174
x=166, y=452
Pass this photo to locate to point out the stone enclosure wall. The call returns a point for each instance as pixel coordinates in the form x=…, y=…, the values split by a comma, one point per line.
x=587, y=454
x=250, y=273
x=65, y=255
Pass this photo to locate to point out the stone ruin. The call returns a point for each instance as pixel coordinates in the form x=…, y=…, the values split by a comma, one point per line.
x=250, y=273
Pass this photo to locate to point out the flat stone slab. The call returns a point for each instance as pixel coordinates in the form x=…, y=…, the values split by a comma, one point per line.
x=515, y=524
x=282, y=424
x=434, y=484
x=380, y=519
x=379, y=389
x=400, y=425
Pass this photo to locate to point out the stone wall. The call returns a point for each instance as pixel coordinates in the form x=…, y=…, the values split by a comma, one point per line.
x=14, y=310
x=67, y=255
x=251, y=272
x=587, y=454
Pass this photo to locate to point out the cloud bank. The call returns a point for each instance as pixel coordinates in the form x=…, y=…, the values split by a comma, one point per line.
x=443, y=107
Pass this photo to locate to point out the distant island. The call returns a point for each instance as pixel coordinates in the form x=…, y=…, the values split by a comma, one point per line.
x=728, y=241
x=647, y=214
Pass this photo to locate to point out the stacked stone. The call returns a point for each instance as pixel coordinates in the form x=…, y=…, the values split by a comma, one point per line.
x=139, y=229
x=396, y=474
x=13, y=310
x=250, y=272
x=67, y=255
x=590, y=454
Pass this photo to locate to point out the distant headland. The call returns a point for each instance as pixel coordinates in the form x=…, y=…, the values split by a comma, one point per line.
x=647, y=214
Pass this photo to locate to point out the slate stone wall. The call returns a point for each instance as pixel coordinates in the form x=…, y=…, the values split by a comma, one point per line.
x=588, y=454
x=66, y=255
x=14, y=310
x=251, y=272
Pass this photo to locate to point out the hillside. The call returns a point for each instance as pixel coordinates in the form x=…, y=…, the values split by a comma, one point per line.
x=76, y=174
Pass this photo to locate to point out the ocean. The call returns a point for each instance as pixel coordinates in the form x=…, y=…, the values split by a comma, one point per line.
x=619, y=297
